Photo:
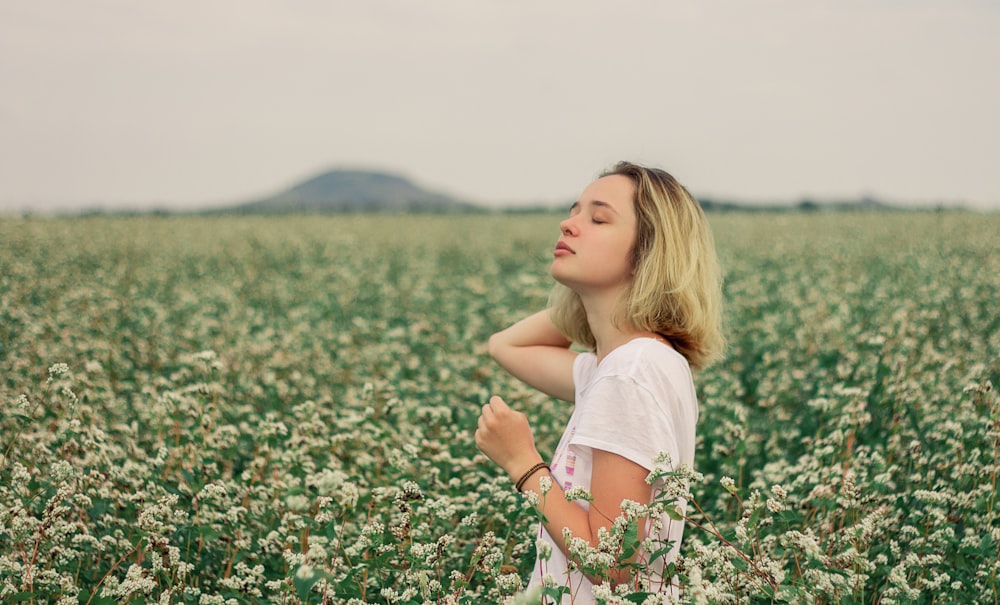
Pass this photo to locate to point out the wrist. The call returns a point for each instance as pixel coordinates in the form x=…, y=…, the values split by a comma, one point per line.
x=531, y=472
x=516, y=470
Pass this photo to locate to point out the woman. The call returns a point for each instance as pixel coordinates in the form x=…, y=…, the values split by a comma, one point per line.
x=639, y=287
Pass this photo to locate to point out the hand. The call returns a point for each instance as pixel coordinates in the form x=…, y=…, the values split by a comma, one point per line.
x=504, y=435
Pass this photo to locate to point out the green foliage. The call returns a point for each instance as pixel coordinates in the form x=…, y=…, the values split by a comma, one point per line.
x=257, y=410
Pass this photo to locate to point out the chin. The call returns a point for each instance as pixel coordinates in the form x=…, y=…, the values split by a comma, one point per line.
x=556, y=275
x=564, y=280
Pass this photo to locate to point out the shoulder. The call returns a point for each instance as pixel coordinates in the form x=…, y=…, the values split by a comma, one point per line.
x=641, y=357
x=645, y=364
x=639, y=402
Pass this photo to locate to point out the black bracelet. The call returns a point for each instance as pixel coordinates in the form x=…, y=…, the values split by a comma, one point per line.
x=531, y=471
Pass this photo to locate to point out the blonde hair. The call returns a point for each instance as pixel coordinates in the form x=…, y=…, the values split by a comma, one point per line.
x=676, y=288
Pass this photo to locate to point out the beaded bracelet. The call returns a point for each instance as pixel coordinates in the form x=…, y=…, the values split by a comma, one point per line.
x=531, y=471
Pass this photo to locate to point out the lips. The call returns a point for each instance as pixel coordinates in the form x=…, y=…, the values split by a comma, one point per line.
x=563, y=246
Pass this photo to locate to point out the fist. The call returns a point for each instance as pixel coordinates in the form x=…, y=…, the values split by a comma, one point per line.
x=504, y=435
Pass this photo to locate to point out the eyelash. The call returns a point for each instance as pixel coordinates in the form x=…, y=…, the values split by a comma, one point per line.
x=596, y=221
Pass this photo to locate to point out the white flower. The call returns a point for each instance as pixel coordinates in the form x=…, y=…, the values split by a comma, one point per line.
x=578, y=493
x=602, y=591
x=545, y=484
x=531, y=499
x=305, y=572
x=57, y=369
x=61, y=471
x=543, y=548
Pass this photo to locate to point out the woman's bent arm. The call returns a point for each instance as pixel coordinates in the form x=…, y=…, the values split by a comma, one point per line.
x=504, y=435
x=535, y=352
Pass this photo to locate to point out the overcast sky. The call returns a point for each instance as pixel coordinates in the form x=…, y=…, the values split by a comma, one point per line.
x=118, y=103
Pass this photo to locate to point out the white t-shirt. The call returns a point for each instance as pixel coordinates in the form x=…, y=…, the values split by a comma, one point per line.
x=638, y=402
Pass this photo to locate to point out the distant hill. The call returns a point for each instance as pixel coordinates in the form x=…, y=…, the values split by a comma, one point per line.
x=356, y=191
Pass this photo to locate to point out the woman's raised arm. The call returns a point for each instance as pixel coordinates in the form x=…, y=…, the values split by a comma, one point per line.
x=535, y=352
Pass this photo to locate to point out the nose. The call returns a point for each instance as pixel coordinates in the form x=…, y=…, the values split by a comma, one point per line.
x=568, y=226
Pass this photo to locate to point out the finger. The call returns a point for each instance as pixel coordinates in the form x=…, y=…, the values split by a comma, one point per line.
x=498, y=404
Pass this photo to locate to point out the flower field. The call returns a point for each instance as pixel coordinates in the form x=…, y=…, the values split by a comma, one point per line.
x=281, y=410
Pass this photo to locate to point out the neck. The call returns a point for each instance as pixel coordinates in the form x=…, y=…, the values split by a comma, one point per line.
x=607, y=336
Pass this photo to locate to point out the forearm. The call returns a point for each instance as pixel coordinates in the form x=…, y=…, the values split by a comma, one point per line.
x=535, y=330
x=535, y=352
x=558, y=513
x=504, y=435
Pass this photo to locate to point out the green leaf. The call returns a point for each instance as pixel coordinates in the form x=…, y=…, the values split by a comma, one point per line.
x=789, y=517
x=303, y=586
x=99, y=508
x=630, y=541
x=555, y=592
x=85, y=597
x=207, y=532
x=791, y=594
x=661, y=552
x=674, y=512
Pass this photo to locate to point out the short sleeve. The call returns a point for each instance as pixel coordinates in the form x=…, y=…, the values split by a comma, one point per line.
x=584, y=366
x=623, y=417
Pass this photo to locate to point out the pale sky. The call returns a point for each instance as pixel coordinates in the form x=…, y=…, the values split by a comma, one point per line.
x=125, y=104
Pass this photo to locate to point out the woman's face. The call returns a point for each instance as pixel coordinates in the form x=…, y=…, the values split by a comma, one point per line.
x=594, y=252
